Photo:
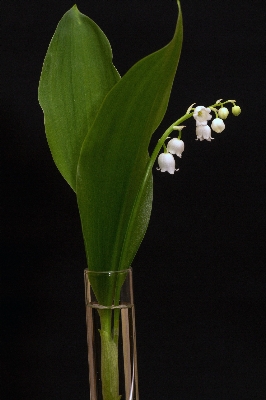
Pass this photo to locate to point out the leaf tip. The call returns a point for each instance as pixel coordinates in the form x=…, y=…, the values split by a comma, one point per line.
x=75, y=8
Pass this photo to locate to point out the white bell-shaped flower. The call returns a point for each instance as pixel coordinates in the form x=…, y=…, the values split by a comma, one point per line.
x=202, y=115
x=166, y=162
x=203, y=132
x=176, y=146
x=223, y=112
x=218, y=125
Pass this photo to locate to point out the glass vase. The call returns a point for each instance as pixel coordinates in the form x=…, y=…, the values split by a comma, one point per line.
x=111, y=335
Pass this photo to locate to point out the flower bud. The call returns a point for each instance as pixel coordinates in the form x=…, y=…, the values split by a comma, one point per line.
x=166, y=162
x=178, y=127
x=203, y=132
x=218, y=125
x=223, y=112
x=236, y=110
x=175, y=146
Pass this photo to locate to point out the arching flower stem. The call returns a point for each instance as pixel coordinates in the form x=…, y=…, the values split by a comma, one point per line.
x=150, y=164
x=214, y=110
x=221, y=103
x=155, y=153
x=171, y=128
x=163, y=138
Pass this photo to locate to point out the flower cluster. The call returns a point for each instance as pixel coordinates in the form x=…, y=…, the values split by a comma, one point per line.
x=176, y=146
x=201, y=115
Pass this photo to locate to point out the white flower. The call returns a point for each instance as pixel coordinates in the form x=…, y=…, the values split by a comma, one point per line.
x=218, y=125
x=202, y=115
x=223, y=112
x=175, y=146
x=166, y=162
x=203, y=132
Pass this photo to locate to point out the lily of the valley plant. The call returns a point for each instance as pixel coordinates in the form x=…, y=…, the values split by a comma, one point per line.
x=98, y=127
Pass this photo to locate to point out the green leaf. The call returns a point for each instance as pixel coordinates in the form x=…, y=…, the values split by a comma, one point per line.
x=114, y=158
x=76, y=76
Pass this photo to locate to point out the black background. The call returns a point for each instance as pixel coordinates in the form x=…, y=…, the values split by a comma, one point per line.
x=200, y=272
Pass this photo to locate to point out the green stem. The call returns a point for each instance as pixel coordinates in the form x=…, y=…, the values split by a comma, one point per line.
x=119, y=283
x=109, y=332
x=109, y=357
x=155, y=153
x=152, y=160
x=160, y=144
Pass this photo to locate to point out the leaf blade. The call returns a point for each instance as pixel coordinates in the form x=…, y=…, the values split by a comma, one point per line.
x=107, y=190
x=70, y=96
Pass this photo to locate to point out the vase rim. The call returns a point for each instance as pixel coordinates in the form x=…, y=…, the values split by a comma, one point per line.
x=86, y=270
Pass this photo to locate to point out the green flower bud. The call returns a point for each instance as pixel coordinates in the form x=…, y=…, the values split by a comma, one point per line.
x=236, y=110
x=223, y=112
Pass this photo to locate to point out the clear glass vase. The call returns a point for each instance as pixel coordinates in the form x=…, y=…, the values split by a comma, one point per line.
x=111, y=335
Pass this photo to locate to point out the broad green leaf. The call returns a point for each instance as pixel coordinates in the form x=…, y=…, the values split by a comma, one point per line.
x=76, y=76
x=114, y=157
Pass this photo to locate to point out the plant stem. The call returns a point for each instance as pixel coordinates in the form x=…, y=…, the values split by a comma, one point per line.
x=109, y=357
